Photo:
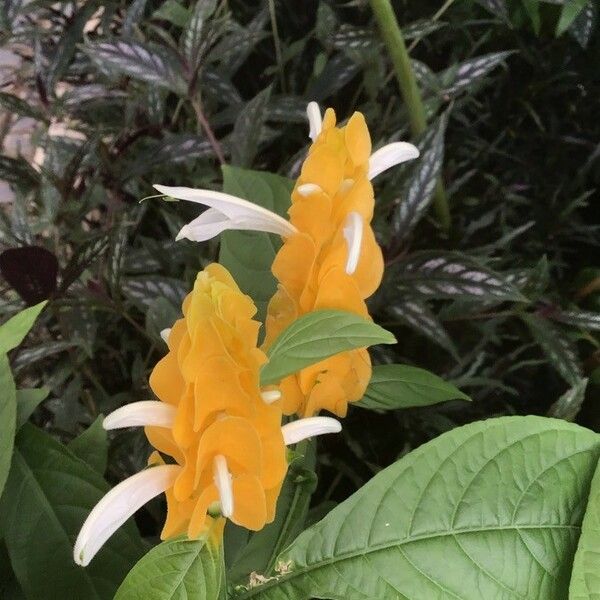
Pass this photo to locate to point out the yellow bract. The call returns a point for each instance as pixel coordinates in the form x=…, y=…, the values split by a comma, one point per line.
x=211, y=376
x=311, y=265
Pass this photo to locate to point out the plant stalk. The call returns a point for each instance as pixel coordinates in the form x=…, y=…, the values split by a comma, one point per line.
x=394, y=42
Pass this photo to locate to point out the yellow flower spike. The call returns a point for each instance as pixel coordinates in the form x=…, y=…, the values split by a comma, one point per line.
x=220, y=447
x=329, y=258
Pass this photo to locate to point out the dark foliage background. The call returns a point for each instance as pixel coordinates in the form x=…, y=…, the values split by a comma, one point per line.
x=115, y=96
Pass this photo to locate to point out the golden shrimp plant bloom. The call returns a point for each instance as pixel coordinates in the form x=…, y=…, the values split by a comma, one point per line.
x=329, y=258
x=220, y=449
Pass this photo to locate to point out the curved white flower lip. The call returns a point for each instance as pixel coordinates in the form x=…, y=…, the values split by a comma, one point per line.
x=225, y=212
x=315, y=120
x=299, y=430
x=389, y=156
x=223, y=482
x=353, y=233
x=118, y=505
x=141, y=414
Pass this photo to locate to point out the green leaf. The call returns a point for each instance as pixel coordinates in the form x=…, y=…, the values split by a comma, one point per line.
x=402, y=386
x=582, y=27
x=91, y=446
x=570, y=10
x=252, y=271
x=578, y=318
x=48, y=495
x=15, y=105
x=13, y=332
x=489, y=510
x=585, y=577
x=247, y=129
x=8, y=417
x=194, y=39
x=177, y=569
x=464, y=75
x=316, y=336
x=27, y=401
x=18, y=172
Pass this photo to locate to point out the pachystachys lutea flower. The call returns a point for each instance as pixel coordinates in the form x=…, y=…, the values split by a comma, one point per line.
x=220, y=447
x=329, y=257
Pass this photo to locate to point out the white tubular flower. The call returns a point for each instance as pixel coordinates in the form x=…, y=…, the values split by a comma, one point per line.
x=118, y=505
x=141, y=414
x=353, y=233
x=225, y=212
x=223, y=482
x=299, y=430
x=164, y=334
x=389, y=156
x=315, y=120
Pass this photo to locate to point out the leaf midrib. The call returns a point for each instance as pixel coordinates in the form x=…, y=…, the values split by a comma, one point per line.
x=401, y=543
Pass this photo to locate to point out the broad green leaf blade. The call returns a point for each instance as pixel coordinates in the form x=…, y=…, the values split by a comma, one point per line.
x=91, y=446
x=316, y=336
x=432, y=274
x=585, y=577
x=157, y=65
x=489, y=510
x=48, y=495
x=13, y=332
x=402, y=386
x=8, y=417
x=178, y=569
x=27, y=401
x=260, y=553
x=561, y=353
x=252, y=271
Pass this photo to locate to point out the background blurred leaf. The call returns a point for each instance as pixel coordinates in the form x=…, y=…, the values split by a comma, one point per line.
x=91, y=446
x=27, y=401
x=8, y=417
x=253, y=273
x=13, y=331
x=569, y=404
x=152, y=64
x=403, y=386
x=47, y=497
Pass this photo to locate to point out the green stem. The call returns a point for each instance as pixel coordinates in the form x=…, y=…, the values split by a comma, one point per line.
x=394, y=41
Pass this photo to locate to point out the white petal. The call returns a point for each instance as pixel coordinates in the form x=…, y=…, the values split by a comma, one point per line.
x=315, y=120
x=224, y=485
x=306, y=189
x=140, y=414
x=229, y=212
x=389, y=156
x=117, y=506
x=301, y=429
x=353, y=233
x=164, y=334
x=270, y=396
